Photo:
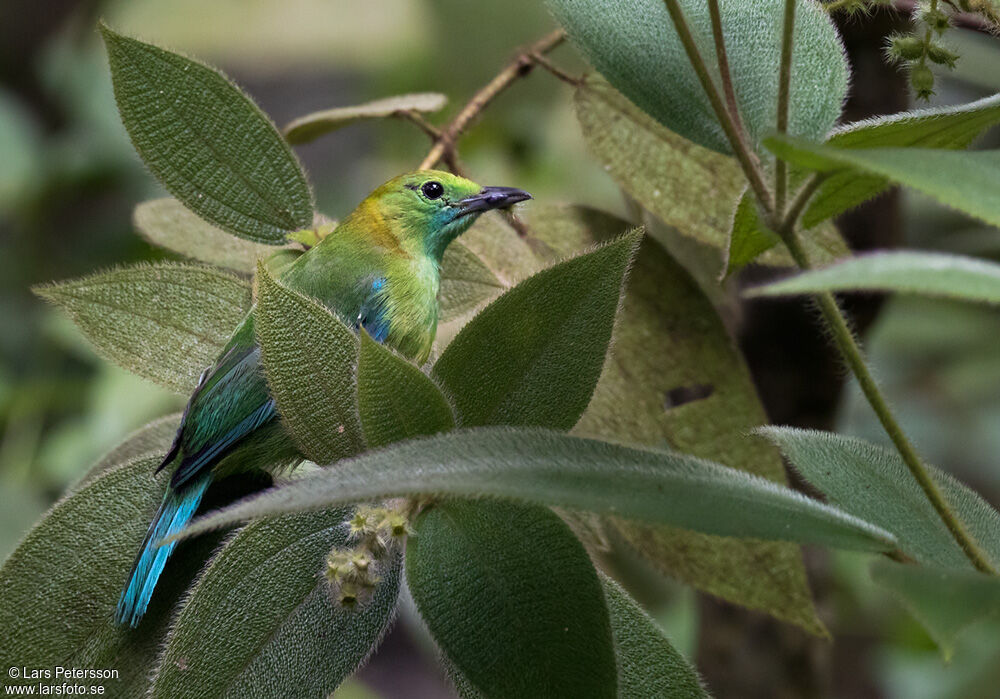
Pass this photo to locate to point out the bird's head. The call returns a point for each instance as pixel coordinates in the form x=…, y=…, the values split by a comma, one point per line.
x=428, y=209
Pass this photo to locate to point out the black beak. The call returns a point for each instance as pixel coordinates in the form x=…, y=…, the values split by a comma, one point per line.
x=492, y=198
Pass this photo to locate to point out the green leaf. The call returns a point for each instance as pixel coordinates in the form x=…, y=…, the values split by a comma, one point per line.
x=513, y=600
x=169, y=224
x=309, y=356
x=396, y=400
x=534, y=355
x=59, y=589
x=684, y=185
x=953, y=127
x=648, y=665
x=926, y=273
x=656, y=75
x=968, y=181
x=312, y=126
x=873, y=483
x=549, y=468
x=152, y=440
x=261, y=620
x=207, y=142
x=944, y=600
x=695, y=394
x=466, y=282
x=750, y=237
x=165, y=322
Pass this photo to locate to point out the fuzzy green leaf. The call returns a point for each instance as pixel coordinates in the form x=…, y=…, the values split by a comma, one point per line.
x=310, y=357
x=152, y=440
x=207, y=142
x=953, y=127
x=648, y=666
x=165, y=322
x=750, y=237
x=466, y=282
x=695, y=394
x=312, y=126
x=262, y=622
x=968, y=181
x=550, y=468
x=59, y=589
x=944, y=600
x=906, y=271
x=396, y=400
x=533, y=356
x=684, y=185
x=873, y=483
x=654, y=71
x=169, y=224
x=513, y=599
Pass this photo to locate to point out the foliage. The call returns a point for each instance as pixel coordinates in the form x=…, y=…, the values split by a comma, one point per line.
x=567, y=333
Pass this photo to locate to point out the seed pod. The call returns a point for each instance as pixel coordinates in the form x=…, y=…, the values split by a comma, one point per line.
x=922, y=80
x=906, y=48
x=941, y=55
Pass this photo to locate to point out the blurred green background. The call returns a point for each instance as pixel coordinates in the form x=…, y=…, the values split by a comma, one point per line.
x=69, y=180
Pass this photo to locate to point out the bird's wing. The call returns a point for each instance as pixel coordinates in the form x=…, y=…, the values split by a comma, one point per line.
x=374, y=316
x=230, y=402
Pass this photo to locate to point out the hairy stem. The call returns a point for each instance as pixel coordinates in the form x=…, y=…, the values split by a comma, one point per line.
x=854, y=357
x=784, y=92
x=723, y=58
x=521, y=65
x=736, y=136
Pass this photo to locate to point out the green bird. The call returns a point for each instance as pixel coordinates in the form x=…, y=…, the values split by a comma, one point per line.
x=378, y=270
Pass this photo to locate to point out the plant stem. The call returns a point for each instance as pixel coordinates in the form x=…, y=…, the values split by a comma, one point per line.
x=520, y=66
x=723, y=58
x=736, y=137
x=784, y=92
x=852, y=354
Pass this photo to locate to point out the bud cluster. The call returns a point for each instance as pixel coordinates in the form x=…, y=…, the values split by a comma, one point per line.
x=920, y=49
x=353, y=571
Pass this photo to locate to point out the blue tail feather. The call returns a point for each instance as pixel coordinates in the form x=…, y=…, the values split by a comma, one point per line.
x=175, y=512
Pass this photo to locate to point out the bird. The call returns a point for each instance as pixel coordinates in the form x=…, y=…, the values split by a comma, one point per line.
x=378, y=271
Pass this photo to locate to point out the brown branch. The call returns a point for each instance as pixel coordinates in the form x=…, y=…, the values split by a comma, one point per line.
x=522, y=64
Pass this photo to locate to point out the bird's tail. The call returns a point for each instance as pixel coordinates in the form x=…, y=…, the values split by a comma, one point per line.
x=176, y=511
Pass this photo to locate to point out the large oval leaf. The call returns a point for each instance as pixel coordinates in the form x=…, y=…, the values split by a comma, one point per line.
x=904, y=271
x=59, y=589
x=873, y=483
x=513, y=600
x=164, y=322
x=968, y=181
x=654, y=71
x=171, y=225
x=648, y=665
x=534, y=355
x=396, y=400
x=939, y=127
x=262, y=622
x=309, y=356
x=550, y=468
x=207, y=142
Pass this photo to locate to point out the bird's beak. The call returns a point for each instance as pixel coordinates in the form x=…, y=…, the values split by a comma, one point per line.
x=491, y=198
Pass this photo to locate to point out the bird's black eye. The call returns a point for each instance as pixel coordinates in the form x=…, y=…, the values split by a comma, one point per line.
x=432, y=190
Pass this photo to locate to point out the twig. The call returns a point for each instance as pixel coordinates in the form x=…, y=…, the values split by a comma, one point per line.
x=520, y=66
x=424, y=125
x=784, y=90
x=747, y=159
